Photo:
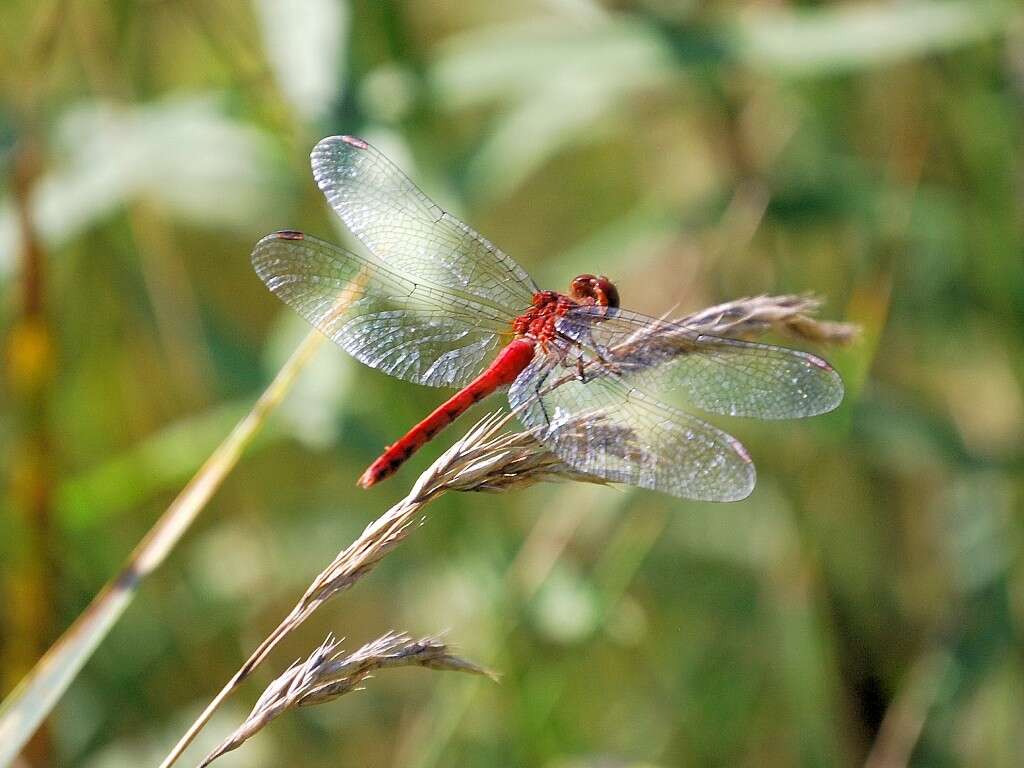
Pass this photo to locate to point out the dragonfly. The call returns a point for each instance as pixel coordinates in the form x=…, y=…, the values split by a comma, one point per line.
x=611, y=392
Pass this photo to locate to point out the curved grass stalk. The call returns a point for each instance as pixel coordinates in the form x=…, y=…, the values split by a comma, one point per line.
x=484, y=459
x=28, y=704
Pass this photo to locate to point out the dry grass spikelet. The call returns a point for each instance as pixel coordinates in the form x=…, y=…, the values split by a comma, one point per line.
x=329, y=673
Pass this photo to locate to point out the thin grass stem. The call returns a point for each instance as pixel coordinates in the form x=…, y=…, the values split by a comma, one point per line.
x=28, y=704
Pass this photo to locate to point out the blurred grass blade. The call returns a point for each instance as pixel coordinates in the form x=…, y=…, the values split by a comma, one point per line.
x=158, y=463
x=310, y=415
x=562, y=83
x=167, y=458
x=512, y=61
x=303, y=40
x=528, y=136
x=811, y=42
x=184, y=155
x=26, y=707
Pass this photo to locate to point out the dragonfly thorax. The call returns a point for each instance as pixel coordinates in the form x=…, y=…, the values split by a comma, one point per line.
x=538, y=322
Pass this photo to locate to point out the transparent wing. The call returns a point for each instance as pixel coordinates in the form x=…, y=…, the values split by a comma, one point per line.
x=718, y=375
x=606, y=428
x=410, y=330
x=404, y=228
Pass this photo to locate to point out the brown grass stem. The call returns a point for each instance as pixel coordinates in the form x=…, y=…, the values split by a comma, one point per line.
x=26, y=707
x=486, y=459
x=906, y=716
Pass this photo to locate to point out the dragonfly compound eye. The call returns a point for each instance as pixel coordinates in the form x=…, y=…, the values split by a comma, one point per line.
x=599, y=290
x=607, y=291
x=582, y=287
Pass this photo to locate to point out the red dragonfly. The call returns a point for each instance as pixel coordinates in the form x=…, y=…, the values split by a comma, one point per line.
x=434, y=300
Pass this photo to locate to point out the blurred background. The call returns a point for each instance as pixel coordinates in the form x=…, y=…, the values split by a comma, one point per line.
x=864, y=604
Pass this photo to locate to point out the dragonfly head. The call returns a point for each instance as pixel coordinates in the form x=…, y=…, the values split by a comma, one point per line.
x=599, y=290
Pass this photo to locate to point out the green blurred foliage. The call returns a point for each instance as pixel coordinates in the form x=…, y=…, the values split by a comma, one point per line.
x=695, y=152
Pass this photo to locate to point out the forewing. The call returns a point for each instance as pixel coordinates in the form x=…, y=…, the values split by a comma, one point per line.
x=407, y=230
x=404, y=328
x=718, y=375
x=606, y=428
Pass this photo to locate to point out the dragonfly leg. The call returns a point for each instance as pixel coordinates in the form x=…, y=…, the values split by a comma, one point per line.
x=606, y=362
x=536, y=392
x=600, y=352
x=581, y=373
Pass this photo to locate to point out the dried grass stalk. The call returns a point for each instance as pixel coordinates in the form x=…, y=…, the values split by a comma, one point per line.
x=27, y=706
x=754, y=316
x=482, y=460
x=487, y=459
x=328, y=674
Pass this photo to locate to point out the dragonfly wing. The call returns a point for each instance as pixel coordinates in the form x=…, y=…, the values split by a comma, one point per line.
x=715, y=374
x=608, y=429
x=406, y=329
x=407, y=230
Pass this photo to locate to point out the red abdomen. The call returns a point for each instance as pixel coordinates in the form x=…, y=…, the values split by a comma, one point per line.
x=506, y=366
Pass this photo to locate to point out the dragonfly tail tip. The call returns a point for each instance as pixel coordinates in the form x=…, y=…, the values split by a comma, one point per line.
x=367, y=479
